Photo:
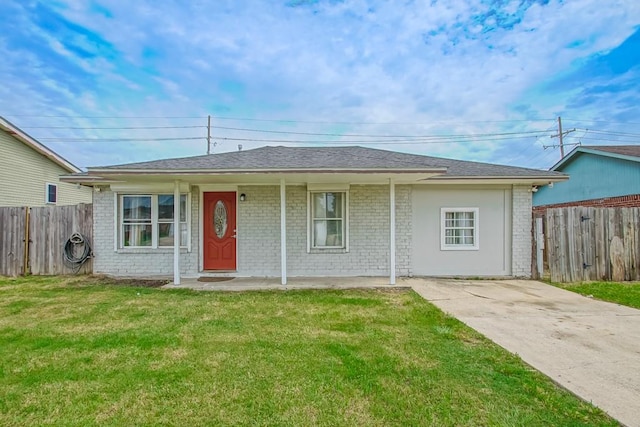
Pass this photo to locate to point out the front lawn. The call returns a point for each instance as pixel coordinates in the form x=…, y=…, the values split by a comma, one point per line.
x=77, y=353
x=620, y=293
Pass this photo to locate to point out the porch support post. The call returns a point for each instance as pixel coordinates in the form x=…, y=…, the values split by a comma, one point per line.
x=392, y=232
x=176, y=232
x=283, y=231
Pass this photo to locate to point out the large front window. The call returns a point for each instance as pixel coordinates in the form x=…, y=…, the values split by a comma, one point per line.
x=328, y=219
x=459, y=229
x=147, y=220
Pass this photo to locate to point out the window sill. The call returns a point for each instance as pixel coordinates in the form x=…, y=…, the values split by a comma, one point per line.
x=183, y=249
x=460, y=248
x=328, y=251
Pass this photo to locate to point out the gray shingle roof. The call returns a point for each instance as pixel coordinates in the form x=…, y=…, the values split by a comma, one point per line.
x=328, y=158
x=625, y=150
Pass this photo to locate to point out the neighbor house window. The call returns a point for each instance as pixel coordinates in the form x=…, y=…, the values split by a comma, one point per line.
x=459, y=229
x=51, y=195
x=328, y=219
x=147, y=220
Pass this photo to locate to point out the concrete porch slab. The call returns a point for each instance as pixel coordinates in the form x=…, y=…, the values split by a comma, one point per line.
x=273, y=283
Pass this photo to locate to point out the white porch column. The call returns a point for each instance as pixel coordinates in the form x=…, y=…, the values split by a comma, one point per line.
x=392, y=232
x=283, y=231
x=176, y=232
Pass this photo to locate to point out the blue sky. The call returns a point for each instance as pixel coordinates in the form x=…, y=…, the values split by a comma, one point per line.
x=105, y=82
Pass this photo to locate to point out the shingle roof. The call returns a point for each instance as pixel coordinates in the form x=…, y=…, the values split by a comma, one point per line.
x=625, y=150
x=328, y=158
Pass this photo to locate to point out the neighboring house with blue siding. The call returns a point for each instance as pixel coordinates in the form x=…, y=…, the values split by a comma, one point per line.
x=604, y=176
x=30, y=172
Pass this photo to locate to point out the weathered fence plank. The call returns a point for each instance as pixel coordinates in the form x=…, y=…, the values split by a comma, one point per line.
x=12, y=227
x=54, y=226
x=48, y=230
x=587, y=243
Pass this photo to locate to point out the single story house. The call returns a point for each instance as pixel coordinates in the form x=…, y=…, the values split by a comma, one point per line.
x=30, y=172
x=601, y=176
x=312, y=211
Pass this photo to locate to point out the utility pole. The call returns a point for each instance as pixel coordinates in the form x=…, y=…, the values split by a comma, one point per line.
x=560, y=135
x=209, y=134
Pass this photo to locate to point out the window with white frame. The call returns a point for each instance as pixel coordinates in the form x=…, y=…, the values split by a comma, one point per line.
x=459, y=227
x=328, y=219
x=147, y=220
x=51, y=193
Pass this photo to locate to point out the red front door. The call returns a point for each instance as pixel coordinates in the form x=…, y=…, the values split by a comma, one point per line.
x=219, y=231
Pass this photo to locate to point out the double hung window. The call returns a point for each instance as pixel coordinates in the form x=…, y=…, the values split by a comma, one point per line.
x=165, y=220
x=459, y=229
x=147, y=220
x=328, y=219
x=51, y=193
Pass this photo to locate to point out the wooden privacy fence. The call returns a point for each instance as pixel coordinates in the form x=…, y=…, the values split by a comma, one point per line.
x=39, y=247
x=587, y=243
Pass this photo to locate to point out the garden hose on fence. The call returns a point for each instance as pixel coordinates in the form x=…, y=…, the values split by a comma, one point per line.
x=77, y=244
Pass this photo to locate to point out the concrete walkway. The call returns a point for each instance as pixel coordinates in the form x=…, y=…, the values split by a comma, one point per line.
x=589, y=347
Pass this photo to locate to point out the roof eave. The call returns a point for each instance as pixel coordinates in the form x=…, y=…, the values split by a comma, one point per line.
x=525, y=180
x=570, y=157
x=87, y=180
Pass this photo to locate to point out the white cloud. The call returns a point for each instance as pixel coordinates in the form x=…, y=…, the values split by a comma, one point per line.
x=443, y=66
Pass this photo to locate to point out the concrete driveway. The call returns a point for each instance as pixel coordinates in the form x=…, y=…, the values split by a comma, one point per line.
x=589, y=347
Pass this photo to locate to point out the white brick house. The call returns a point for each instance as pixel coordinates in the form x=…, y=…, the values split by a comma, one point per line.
x=329, y=211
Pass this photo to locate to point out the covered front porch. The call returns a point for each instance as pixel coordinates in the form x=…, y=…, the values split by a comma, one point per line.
x=269, y=226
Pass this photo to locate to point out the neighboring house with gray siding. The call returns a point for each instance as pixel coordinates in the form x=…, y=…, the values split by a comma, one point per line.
x=30, y=172
x=601, y=176
x=321, y=211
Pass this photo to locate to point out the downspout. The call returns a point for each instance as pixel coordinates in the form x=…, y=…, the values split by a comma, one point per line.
x=176, y=232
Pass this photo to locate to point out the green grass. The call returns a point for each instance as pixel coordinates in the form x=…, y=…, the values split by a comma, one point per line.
x=75, y=353
x=620, y=293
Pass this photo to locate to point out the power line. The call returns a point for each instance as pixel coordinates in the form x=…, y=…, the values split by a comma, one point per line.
x=376, y=142
x=607, y=132
x=104, y=117
x=600, y=121
x=113, y=128
x=376, y=123
x=120, y=139
x=249, y=119
x=610, y=140
x=276, y=120
x=373, y=136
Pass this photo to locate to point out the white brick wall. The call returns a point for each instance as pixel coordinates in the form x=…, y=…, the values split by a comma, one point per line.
x=259, y=236
x=259, y=231
x=137, y=262
x=521, y=229
x=368, y=236
x=404, y=230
